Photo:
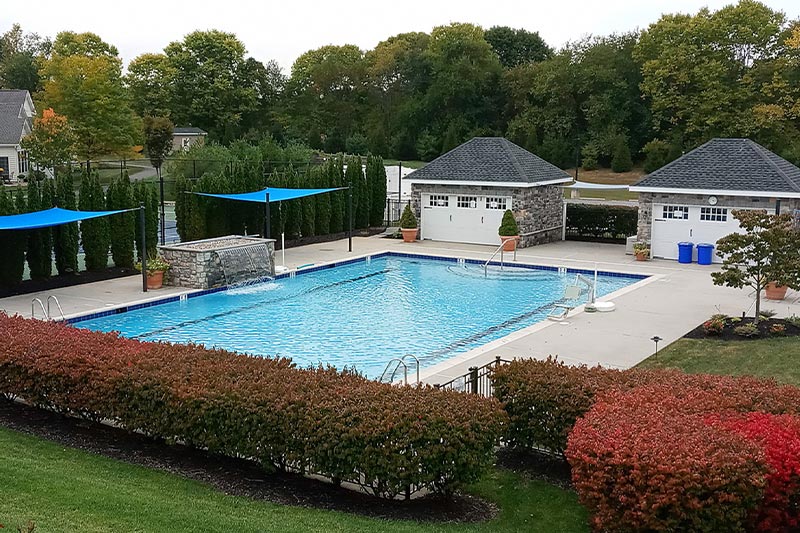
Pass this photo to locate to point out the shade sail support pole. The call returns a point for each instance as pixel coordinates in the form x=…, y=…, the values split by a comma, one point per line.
x=143, y=237
x=266, y=217
x=350, y=219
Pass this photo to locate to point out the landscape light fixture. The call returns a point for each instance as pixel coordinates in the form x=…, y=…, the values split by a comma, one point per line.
x=656, y=340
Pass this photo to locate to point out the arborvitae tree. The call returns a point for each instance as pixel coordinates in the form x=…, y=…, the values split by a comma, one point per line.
x=123, y=225
x=621, y=161
x=320, y=181
x=354, y=176
x=294, y=210
x=309, y=205
x=188, y=211
x=336, y=179
x=40, y=243
x=145, y=194
x=94, y=232
x=65, y=236
x=277, y=212
x=12, y=242
x=217, y=222
x=376, y=175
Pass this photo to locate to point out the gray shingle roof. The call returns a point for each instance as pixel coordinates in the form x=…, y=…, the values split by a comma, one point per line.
x=12, y=121
x=191, y=130
x=727, y=165
x=489, y=159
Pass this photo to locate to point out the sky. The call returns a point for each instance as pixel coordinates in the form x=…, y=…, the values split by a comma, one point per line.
x=284, y=30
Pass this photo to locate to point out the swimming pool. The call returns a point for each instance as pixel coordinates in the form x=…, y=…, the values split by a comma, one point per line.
x=362, y=313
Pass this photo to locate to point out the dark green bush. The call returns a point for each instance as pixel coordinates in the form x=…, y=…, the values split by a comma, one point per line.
x=14, y=242
x=385, y=438
x=40, y=241
x=408, y=220
x=65, y=236
x=592, y=222
x=121, y=226
x=95, y=235
x=508, y=226
x=621, y=156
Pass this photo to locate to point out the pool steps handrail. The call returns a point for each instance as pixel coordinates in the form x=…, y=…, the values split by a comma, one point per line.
x=401, y=361
x=502, y=259
x=58, y=305
x=46, y=310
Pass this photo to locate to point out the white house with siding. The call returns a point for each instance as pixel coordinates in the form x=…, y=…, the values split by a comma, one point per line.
x=16, y=121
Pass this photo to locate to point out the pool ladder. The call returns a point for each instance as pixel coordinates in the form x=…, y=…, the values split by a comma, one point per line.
x=400, y=362
x=502, y=259
x=46, y=310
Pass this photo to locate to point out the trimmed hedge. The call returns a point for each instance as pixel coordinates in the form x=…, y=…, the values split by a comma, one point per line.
x=706, y=453
x=385, y=438
x=544, y=399
x=601, y=222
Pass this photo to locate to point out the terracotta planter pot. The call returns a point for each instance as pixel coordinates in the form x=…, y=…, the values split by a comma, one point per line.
x=155, y=280
x=775, y=292
x=409, y=235
x=509, y=243
x=642, y=256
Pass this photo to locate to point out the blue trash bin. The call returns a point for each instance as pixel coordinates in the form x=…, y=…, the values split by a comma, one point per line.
x=685, y=252
x=705, y=252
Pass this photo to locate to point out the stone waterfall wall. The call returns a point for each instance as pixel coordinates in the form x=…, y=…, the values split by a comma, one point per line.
x=197, y=265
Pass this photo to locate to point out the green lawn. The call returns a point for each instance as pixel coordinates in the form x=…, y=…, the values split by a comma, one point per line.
x=777, y=358
x=63, y=489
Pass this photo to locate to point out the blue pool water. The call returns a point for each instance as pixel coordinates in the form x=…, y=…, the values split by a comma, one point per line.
x=362, y=314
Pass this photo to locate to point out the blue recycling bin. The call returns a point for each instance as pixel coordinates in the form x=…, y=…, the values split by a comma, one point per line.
x=685, y=252
x=705, y=252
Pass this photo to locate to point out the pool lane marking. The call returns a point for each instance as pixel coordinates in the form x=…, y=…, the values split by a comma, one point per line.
x=260, y=303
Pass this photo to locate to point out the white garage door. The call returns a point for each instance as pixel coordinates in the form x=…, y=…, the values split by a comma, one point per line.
x=460, y=218
x=691, y=223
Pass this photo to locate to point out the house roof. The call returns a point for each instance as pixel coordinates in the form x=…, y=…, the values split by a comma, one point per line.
x=12, y=117
x=191, y=130
x=489, y=160
x=726, y=165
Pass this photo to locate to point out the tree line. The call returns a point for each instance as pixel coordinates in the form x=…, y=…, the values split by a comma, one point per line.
x=59, y=246
x=605, y=101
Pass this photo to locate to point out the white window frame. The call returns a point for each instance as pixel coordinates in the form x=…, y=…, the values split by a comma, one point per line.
x=668, y=212
x=467, y=202
x=439, y=200
x=713, y=214
x=500, y=201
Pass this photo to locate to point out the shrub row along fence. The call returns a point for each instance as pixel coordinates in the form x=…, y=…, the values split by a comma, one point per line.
x=117, y=234
x=389, y=440
x=201, y=217
x=657, y=450
x=606, y=223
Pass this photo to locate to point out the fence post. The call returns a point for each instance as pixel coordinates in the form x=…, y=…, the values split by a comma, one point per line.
x=473, y=377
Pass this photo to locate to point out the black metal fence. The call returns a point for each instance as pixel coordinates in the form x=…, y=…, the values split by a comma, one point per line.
x=477, y=381
x=393, y=211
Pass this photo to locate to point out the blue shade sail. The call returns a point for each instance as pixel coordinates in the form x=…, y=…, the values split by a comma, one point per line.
x=50, y=217
x=275, y=194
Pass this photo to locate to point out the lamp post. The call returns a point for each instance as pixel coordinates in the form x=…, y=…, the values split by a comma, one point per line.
x=656, y=340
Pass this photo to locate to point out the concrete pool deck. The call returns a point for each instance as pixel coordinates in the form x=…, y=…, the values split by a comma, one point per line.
x=669, y=304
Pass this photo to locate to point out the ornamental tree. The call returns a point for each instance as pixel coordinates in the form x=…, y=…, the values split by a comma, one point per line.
x=52, y=140
x=767, y=252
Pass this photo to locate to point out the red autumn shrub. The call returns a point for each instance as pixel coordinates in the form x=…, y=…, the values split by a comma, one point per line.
x=544, y=399
x=691, y=455
x=779, y=438
x=388, y=439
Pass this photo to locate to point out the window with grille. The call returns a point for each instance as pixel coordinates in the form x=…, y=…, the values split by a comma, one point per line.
x=467, y=202
x=675, y=212
x=496, y=202
x=439, y=200
x=714, y=214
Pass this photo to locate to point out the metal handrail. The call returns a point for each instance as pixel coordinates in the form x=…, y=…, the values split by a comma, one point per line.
x=399, y=363
x=502, y=259
x=416, y=362
x=60, y=310
x=470, y=380
x=33, y=309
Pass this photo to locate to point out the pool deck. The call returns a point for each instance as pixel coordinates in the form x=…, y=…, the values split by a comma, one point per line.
x=669, y=304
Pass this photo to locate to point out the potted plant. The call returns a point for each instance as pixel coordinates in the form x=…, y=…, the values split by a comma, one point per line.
x=408, y=225
x=508, y=231
x=775, y=291
x=642, y=251
x=156, y=266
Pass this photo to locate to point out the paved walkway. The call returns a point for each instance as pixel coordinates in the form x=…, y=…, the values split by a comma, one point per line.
x=669, y=304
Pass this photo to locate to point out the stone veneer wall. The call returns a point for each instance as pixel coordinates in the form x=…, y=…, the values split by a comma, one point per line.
x=200, y=268
x=646, y=201
x=539, y=211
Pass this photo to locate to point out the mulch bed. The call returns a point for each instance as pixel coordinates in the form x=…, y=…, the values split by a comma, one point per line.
x=59, y=282
x=536, y=465
x=236, y=477
x=764, y=329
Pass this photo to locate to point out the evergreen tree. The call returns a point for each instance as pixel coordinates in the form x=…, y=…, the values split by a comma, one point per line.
x=621, y=161
x=121, y=226
x=309, y=203
x=323, y=225
x=294, y=210
x=376, y=174
x=65, y=236
x=94, y=232
x=12, y=242
x=188, y=213
x=336, y=179
x=145, y=194
x=354, y=176
x=40, y=243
